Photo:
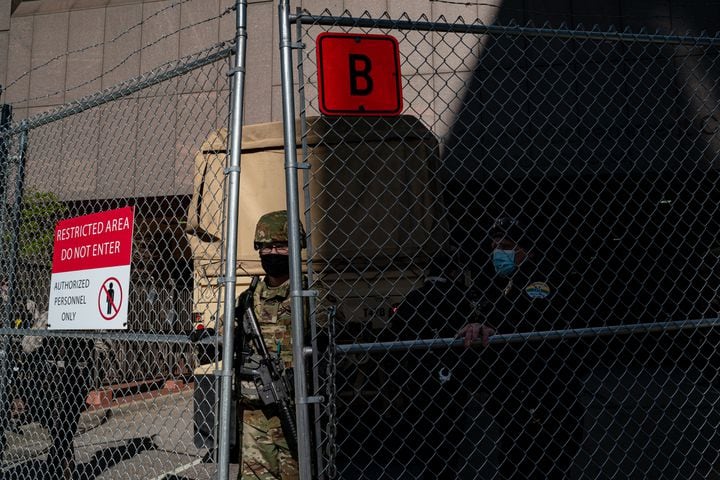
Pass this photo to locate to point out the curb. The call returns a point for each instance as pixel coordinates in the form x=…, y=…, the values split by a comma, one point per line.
x=121, y=394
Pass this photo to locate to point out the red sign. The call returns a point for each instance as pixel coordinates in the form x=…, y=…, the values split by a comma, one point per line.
x=98, y=240
x=359, y=74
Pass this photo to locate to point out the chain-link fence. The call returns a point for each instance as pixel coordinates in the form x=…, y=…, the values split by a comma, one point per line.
x=555, y=187
x=552, y=190
x=89, y=403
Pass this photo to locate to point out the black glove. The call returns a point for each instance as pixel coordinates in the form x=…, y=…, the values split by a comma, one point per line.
x=205, y=351
x=201, y=333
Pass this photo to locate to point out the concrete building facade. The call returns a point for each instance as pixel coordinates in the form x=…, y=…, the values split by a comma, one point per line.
x=53, y=52
x=110, y=41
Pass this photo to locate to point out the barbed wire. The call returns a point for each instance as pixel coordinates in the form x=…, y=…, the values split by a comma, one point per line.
x=124, y=60
x=99, y=44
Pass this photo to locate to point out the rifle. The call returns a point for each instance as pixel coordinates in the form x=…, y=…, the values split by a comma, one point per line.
x=266, y=371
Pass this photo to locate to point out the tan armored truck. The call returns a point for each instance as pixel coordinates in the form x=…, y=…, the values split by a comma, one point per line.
x=375, y=218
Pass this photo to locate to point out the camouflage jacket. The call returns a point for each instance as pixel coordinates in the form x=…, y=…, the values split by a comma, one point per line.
x=273, y=311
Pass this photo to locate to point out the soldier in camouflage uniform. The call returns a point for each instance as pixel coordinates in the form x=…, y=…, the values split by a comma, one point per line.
x=265, y=452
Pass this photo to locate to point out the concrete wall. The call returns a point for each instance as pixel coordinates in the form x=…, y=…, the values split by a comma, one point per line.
x=155, y=153
x=142, y=145
x=5, y=8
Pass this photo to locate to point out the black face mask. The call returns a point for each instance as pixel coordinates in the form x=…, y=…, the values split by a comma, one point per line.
x=275, y=265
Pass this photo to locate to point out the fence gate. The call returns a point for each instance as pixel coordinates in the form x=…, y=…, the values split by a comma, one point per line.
x=559, y=187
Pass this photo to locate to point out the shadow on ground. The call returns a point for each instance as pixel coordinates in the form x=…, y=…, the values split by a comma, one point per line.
x=101, y=461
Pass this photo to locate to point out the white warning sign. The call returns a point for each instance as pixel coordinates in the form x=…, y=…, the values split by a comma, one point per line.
x=91, y=271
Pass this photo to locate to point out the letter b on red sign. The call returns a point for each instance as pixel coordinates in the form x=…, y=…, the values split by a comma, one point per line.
x=359, y=74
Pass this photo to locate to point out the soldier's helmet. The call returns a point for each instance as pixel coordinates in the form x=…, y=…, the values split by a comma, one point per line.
x=273, y=228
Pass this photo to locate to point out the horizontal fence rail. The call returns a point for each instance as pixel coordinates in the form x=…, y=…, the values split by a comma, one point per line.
x=444, y=343
x=505, y=30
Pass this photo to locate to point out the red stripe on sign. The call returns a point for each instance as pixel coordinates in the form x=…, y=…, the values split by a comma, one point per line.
x=98, y=240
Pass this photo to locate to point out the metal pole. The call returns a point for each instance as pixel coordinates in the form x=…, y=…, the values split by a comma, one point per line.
x=568, y=334
x=511, y=30
x=121, y=90
x=16, y=219
x=315, y=387
x=5, y=120
x=5, y=360
x=293, y=209
x=233, y=181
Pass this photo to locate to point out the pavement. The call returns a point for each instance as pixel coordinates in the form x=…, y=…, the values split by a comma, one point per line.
x=149, y=435
x=146, y=435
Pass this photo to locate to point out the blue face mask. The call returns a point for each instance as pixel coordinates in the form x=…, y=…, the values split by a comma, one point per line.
x=504, y=262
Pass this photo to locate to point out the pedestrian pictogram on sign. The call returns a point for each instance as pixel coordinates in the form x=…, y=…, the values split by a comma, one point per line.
x=110, y=298
x=359, y=74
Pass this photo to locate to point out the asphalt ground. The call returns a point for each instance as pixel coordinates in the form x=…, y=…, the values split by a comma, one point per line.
x=149, y=438
x=660, y=422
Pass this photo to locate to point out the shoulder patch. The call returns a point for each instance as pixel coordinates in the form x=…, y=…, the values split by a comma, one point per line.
x=538, y=290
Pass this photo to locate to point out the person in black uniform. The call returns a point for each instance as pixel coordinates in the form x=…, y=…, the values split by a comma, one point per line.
x=67, y=384
x=531, y=386
x=5, y=369
x=433, y=383
x=14, y=314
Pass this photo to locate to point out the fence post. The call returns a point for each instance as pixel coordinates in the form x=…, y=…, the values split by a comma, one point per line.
x=16, y=219
x=231, y=223
x=5, y=121
x=5, y=361
x=315, y=385
x=293, y=209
